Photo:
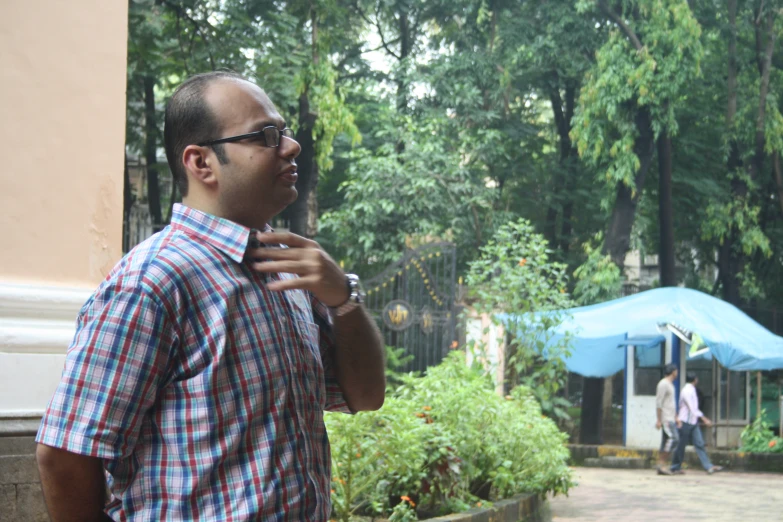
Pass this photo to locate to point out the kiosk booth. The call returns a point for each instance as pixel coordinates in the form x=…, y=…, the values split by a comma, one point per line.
x=641, y=333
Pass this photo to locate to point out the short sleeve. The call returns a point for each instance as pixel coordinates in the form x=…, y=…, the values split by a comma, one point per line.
x=113, y=369
x=660, y=395
x=335, y=400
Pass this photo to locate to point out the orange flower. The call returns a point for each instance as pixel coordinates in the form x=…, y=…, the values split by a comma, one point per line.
x=358, y=455
x=426, y=408
x=407, y=499
x=772, y=443
x=454, y=345
x=478, y=504
x=522, y=262
x=421, y=415
x=332, y=491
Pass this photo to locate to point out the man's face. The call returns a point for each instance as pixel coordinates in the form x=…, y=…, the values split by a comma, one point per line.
x=257, y=182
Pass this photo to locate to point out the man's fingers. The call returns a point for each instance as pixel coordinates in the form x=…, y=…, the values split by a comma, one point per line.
x=286, y=238
x=277, y=253
x=296, y=283
x=286, y=266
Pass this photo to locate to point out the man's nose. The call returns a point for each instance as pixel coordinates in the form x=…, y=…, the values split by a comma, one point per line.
x=289, y=147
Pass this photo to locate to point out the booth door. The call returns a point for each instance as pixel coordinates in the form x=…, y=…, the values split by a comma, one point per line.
x=644, y=369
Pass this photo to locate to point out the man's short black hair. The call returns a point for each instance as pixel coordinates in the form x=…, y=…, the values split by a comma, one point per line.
x=190, y=120
x=691, y=376
x=669, y=369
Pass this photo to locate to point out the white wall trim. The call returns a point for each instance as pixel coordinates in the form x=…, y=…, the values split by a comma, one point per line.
x=37, y=319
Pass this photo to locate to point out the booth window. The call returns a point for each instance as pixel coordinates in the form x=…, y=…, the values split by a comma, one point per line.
x=733, y=395
x=648, y=368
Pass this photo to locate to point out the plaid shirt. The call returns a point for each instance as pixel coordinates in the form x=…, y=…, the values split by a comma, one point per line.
x=202, y=391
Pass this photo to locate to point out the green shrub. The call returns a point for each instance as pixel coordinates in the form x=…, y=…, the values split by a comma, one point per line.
x=443, y=442
x=516, y=281
x=757, y=437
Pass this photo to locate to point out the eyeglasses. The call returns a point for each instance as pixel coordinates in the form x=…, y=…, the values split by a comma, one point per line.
x=271, y=135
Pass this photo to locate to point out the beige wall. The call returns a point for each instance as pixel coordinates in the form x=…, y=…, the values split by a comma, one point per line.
x=62, y=133
x=62, y=126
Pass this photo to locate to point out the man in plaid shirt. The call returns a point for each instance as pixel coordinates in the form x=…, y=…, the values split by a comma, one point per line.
x=201, y=367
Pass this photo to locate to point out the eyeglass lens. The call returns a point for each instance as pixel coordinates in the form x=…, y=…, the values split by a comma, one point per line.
x=272, y=135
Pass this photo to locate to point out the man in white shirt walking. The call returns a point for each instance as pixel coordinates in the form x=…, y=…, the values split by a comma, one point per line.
x=690, y=432
x=666, y=411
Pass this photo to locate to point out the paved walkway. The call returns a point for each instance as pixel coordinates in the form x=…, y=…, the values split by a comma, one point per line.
x=641, y=496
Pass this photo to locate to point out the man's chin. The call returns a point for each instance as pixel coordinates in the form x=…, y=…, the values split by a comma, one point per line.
x=285, y=198
x=293, y=194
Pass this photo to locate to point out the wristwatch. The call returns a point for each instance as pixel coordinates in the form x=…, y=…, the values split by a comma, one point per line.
x=355, y=295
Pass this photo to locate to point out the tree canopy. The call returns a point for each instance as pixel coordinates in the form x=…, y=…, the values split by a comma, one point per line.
x=636, y=124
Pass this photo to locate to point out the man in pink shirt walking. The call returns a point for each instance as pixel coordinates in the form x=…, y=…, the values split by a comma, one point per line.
x=690, y=432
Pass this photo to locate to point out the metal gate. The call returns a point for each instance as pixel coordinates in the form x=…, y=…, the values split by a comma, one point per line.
x=413, y=301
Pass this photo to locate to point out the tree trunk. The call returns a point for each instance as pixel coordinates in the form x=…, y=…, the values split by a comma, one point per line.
x=766, y=65
x=776, y=168
x=405, y=50
x=312, y=209
x=563, y=111
x=173, y=199
x=665, y=217
x=618, y=236
x=727, y=259
x=151, y=154
x=303, y=213
x=298, y=212
x=402, y=80
x=550, y=225
x=571, y=170
x=127, y=204
x=730, y=260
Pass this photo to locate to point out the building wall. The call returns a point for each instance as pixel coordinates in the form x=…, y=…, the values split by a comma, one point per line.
x=486, y=343
x=62, y=97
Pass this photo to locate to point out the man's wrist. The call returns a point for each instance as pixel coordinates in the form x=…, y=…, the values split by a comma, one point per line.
x=355, y=296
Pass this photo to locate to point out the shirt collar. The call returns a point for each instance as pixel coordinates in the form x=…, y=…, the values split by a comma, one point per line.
x=228, y=237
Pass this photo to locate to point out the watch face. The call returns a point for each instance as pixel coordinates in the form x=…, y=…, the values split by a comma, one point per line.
x=357, y=292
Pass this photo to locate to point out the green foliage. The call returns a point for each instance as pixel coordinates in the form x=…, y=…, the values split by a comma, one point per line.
x=515, y=275
x=464, y=114
x=598, y=279
x=723, y=217
x=757, y=437
x=651, y=74
x=334, y=117
x=392, y=199
x=369, y=451
x=438, y=441
x=396, y=358
x=403, y=512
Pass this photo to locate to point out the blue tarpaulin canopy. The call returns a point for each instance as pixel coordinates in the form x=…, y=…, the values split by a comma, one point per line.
x=738, y=342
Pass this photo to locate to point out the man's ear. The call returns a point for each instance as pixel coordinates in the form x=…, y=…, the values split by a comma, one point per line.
x=199, y=162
